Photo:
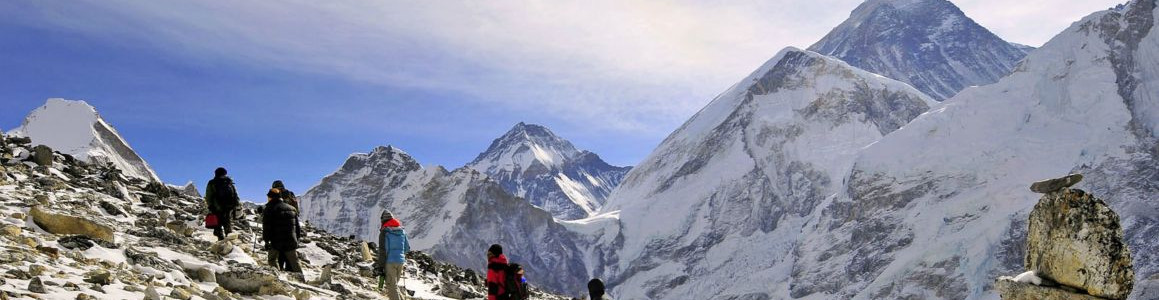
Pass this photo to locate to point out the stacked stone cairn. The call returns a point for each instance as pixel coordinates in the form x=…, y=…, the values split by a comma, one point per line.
x=1075, y=248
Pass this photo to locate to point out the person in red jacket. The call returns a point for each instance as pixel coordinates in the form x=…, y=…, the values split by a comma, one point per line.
x=496, y=268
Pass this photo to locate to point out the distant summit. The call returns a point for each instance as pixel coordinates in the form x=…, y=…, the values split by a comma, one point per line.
x=75, y=128
x=929, y=44
x=530, y=161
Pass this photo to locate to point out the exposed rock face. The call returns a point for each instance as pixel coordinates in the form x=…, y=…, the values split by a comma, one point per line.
x=62, y=224
x=1076, y=240
x=1011, y=290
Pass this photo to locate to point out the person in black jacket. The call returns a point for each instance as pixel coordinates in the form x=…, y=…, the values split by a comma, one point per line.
x=222, y=199
x=280, y=232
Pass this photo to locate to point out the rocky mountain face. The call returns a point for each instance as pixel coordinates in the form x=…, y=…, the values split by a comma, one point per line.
x=715, y=211
x=72, y=230
x=929, y=44
x=1074, y=249
x=531, y=162
x=454, y=215
x=935, y=211
x=76, y=129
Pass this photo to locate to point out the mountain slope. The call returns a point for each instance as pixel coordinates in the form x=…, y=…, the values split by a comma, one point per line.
x=533, y=163
x=929, y=44
x=454, y=215
x=937, y=209
x=75, y=128
x=714, y=210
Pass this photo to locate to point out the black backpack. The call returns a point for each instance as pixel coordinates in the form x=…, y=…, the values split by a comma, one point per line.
x=514, y=286
x=224, y=193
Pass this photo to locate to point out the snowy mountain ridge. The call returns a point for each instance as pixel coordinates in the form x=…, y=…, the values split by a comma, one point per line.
x=454, y=215
x=929, y=44
x=727, y=193
x=75, y=128
x=533, y=163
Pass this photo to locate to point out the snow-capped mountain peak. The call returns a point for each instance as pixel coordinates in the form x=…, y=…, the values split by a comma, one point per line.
x=929, y=44
x=530, y=161
x=525, y=148
x=75, y=128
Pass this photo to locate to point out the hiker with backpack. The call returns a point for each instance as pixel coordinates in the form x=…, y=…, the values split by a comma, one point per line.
x=496, y=273
x=516, y=284
x=392, y=247
x=279, y=231
x=596, y=290
x=222, y=199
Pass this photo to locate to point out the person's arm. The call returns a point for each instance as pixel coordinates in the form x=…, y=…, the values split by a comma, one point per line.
x=209, y=197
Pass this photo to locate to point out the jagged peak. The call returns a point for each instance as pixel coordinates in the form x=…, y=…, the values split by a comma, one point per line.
x=509, y=150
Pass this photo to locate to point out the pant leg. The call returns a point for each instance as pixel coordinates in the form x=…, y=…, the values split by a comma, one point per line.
x=393, y=274
x=226, y=221
x=292, y=263
x=272, y=258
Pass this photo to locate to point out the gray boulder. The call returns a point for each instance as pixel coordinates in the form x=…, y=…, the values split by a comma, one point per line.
x=1010, y=290
x=42, y=155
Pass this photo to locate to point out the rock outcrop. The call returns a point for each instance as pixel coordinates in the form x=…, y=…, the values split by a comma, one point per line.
x=1074, y=242
x=64, y=224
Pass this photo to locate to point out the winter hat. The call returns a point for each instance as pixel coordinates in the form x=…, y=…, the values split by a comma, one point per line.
x=386, y=215
x=495, y=249
x=596, y=288
x=275, y=194
x=219, y=172
x=278, y=184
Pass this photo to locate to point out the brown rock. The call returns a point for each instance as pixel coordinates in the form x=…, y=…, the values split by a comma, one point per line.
x=63, y=224
x=42, y=155
x=1053, y=185
x=1076, y=240
x=11, y=230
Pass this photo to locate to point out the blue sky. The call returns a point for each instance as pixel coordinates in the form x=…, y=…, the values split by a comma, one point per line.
x=288, y=89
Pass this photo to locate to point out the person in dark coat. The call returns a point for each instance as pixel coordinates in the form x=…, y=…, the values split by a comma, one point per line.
x=596, y=290
x=280, y=232
x=496, y=272
x=222, y=199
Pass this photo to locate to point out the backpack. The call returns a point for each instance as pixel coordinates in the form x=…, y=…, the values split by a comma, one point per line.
x=224, y=194
x=514, y=288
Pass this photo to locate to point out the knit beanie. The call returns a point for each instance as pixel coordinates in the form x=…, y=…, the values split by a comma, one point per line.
x=495, y=249
x=278, y=184
x=219, y=172
x=386, y=215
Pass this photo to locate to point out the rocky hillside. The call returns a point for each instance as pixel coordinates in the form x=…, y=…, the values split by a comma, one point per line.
x=73, y=230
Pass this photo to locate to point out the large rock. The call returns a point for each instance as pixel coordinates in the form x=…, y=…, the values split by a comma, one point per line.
x=1053, y=185
x=63, y=224
x=1010, y=290
x=42, y=155
x=1076, y=240
x=248, y=280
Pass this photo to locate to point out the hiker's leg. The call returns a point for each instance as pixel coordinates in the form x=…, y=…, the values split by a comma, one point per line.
x=292, y=264
x=393, y=274
x=272, y=258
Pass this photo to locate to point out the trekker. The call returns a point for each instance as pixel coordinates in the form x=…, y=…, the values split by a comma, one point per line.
x=392, y=247
x=287, y=195
x=496, y=273
x=291, y=199
x=279, y=232
x=516, y=283
x=221, y=197
x=596, y=290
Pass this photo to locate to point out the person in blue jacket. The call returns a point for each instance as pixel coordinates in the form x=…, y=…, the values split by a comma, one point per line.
x=392, y=247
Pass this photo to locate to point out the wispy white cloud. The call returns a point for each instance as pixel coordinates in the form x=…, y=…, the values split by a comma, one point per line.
x=627, y=65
